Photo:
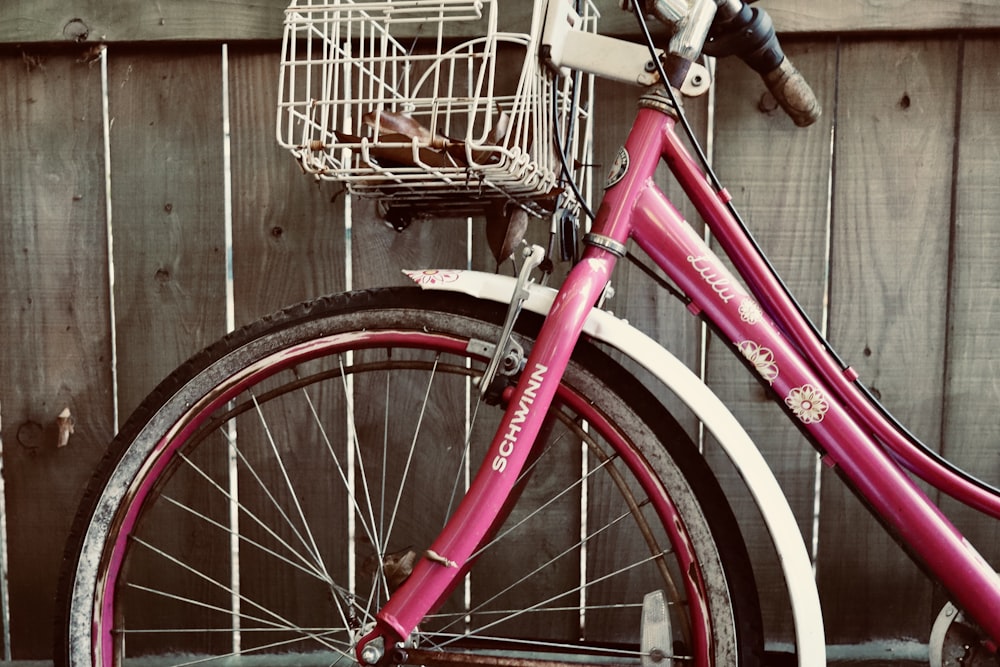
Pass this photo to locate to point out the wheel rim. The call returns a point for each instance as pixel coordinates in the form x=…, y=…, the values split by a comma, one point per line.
x=586, y=609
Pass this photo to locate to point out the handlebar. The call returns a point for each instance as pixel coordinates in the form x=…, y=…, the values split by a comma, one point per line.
x=793, y=93
x=748, y=32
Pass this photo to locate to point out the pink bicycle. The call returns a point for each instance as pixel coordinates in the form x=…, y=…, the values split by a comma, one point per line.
x=466, y=472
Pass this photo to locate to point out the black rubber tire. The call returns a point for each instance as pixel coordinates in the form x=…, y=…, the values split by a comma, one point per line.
x=659, y=441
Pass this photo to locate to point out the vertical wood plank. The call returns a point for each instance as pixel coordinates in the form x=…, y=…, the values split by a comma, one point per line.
x=166, y=148
x=167, y=200
x=379, y=254
x=56, y=318
x=971, y=429
x=888, y=301
x=288, y=230
x=779, y=177
x=288, y=246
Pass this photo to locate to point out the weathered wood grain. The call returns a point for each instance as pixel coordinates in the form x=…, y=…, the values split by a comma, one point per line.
x=888, y=302
x=167, y=198
x=792, y=16
x=168, y=211
x=779, y=177
x=56, y=319
x=971, y=427
x=804, y=16
x=221, y=20
x=288, y=230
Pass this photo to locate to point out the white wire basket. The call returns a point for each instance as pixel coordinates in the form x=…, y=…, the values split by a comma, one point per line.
x=427, y=105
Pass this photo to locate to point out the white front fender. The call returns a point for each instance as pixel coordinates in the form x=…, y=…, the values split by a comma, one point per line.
x=749, y=462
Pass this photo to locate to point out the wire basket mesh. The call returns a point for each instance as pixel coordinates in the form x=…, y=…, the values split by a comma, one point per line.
x=427, y=104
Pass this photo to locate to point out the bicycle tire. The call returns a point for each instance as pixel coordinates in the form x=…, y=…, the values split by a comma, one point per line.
x=197, y=541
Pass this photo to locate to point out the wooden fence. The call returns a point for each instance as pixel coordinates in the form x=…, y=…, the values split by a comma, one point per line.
x=122, y=163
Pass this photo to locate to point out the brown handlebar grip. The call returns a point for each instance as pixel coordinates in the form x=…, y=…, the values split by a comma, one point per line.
x=793, y=93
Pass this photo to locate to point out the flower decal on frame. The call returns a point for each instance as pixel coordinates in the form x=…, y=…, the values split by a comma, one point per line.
x=750, y=311
x=432, y=276
x=762, y=359
x=807, y=403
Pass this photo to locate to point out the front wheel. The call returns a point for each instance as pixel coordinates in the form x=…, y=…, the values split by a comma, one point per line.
x=268, y=497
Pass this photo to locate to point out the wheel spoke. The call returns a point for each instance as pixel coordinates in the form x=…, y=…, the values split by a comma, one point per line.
x=356, y=436
x=278, y=622
x=279, y=460
x=341, y=653
x=462, y=469
x=247, y=540
x=307, y=564
x=356, y=467
x=410, y=452
x=507, y=531
x=541, y=605
x=542, y=567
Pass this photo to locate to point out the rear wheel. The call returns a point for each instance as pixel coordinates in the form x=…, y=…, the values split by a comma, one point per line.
x=268, y=497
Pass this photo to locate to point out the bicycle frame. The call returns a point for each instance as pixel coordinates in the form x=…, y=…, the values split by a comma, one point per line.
x=760, y=320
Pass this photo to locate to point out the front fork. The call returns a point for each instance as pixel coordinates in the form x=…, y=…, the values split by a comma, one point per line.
x=482, y=508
